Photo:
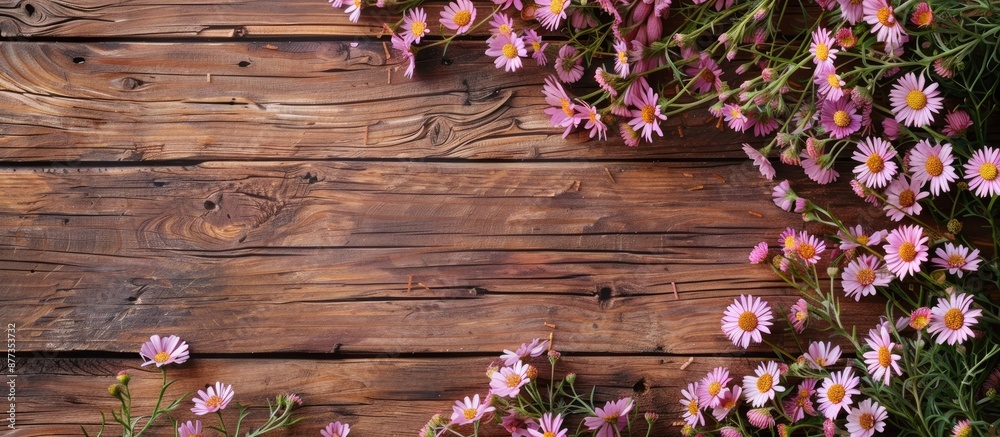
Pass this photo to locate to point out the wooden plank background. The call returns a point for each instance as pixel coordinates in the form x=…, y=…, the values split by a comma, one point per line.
x=259, y=178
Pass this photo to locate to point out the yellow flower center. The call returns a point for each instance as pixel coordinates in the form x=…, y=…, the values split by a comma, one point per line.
x=806, y=251
x=469, y=413
x=988, y=171
x=954, y=319
x=885, y=17
x=933, y=166
x=866, y=421
x=966, y=431
x=213, y=402
x=801, y=315
x=418, y=28
x=841, y=118
x=918, y=322
x=875, y=163
x=513, y=380
x=924, y=18
x=907, y=252
x=161, y=357
x=612, y=418
x=884, y=356
x=765, y=382
x=622, y=57
x=836, y=393
x=714, y=388
x=592, y=116
x=357, y=4
x=692, y=408
x=648, y=114
x=736, y=113
x=566, y=109
x=556, y=7
x=862, y=240
x=790, y=242
x=907, y=198
x=822, y=52
x=833, y=80
x=916, y=100
x=462, y=17
x=804, y=393
x=549, y=434
x=536, y=46
x=747, y=321
x=509, y=51
x=820, y=361
x=505, y=29
x=866, y=277
x=956, y=261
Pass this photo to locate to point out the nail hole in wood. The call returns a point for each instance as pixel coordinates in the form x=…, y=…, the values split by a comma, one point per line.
x=447, y=61
x=29, y=9
x=603, y=294
x=244, y=64
x=209, y=205
x=641, y=387
x=79, y=60
x=132, y=298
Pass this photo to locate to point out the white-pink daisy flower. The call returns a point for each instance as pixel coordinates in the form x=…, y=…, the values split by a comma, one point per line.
x=730, y=399
x=801, y=404
x=621, y=58
x=692, y=409
x=760, y=388
x=835, y=393
x=745, y=319
x=561, y=108
x=877, y=167
x=706, y=73
x=646, y=118
x=880, y=360
x=862, y=275
x=956, y=123
x=735, y=117
x=354, y=10
x=212, y=399
x=549, y=426
x=798, y=315
x=534, y=42
x=913, y=103
x=905, y=249
x=784, y=197
x=415, y=25
x=551, y=12
x=190, y=429
x=867, y=419
x=822, y=48
x=470, y=410
x=933, y=164
x=508, y=50
x=588, y=113
x=613, y=418
x=982, y=172
x=506, y=4
x=536, y=348
x=712, y=388
x=880, y=15
x=759, y=253
x=766, y=169
x=336, y=429
x=857, y=237
x=808, y=248
x=459, y=16
x=821, y=354
x=852, y=11
x=569, y=66
x=903, y=197
x=962, y=429
x=840, y=117
x=831, y=85
x=163, y=351
x=951, y=319
x=957, y=258
x=760, y=417
x=404, y=46
x=508, y=380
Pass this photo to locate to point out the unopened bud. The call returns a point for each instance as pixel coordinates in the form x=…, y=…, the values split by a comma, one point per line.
x=115, y=390
x=954, y=226
x=571, y=378
x=123, y=377
x=651, y=417
x=532, y=372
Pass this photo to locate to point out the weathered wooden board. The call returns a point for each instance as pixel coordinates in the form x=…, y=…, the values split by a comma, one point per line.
x=293, y=100
x=377, y=395
x=229, y=253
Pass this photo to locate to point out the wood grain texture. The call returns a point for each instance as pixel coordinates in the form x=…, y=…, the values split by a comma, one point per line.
x=376, y=395
x=312, y=253
x=293, y=100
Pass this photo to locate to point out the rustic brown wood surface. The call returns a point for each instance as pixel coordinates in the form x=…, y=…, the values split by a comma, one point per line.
x=259, y=178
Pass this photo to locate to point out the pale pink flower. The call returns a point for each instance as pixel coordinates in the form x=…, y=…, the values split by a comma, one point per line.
x=588, y=113
x=942, y=68
x=863, y=192
x=569, y=66
x=877, y=167
x=760, y=417
x=730, y=399
x=163, y=351
x=728, y=431
x=745, y=319
x=962, y=429
x=518, y=425
x=536, y=348
x=735, y=118
x=845, y=36
x=508, y=380
x=354, y=10
x=808, y=248
x=706, y=73
x=933, y=164
x=760, y=161
x=763, y=126
x=903, y=197
x=822, y=354
x=835, y=393
x=822, y=48
x=857, y=237
x=403, y=45
x=867, y=419
x=784, y=197
x=829, y=428
x=214, y=399
x=890, y=128
x=506, y=4
x=862, y=275
x=621, y=58
x=759, y=253
x=957, y=258
x=692, y=409
x=508, y=50
x=920, y=318
x=336, y=429
x=459, y=16
x=800, y=405
x=470, y=410
x=534, y=41
x=852, y=11
x=913, y=103
x=840, y=117
x=798, y=315
x=549, y=426
x=647, y=117
x=879, y=14
x=712, y=388
x=956, y=123
x=500, y=24
x=905, y=249
x=880, y=360
x=561, y=108
x=337, y=3
x=951, y=319
x=551, y=12
x=190, y=429
x=613, y=417
x=830, y=84
x=415, y=25
x=982, y=172
x=760, y=388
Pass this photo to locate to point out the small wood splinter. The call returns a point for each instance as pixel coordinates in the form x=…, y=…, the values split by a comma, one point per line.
x=696, y=188
x=755, y=214
x=676, y=297
x=613, y=181
x=366, y=143
x=549, y=325
x=409, y=285
x=208, y=78
x=425, y=287
x=719, y=177
x=687, y=363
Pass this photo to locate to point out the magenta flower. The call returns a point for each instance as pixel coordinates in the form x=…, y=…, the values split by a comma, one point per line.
x=760, y=417
x=761, y=388
x=508, y=380
x=549, y=426
x=759, y=253
x=913, y=103
x=956, y=123
x=951, y=319
x=822, y=354
x=920, y=318
x=862, y=275
x=613, y=417
x=808, y=248
x=840, y=117
x=766, y=169
x=822, y=48
x=880, y=360
x=801, y=404
x=905, y=249
x=536, y=348
x=508, y=50
x=163, y=351
x=551, y=12
x=745, y=319
x=933, y=164
x=214, y=399
x=561, y=109
x=867, y=419
x=798, y=315
x=415, y=25
x=982, y=172
x=534, y=41
x=903, y=197
x=923, y=16
x=877, y=167
x=706, y=73
x=730, y=399
x=569, y=65
x=500, y=24
x=735, y=118
x=470, y=410
x=852, y=11
x=458, y=16
x=588, y=113
x=647, y=117
x=879, y=14
x=835, y=394
x=831, y=86
x=956, y=258
x=516, y=424
x=336, y=429
x=712, y=388
x=190, y=429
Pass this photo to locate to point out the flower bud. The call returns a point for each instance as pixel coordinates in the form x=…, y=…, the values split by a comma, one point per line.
x=115, y=390
x=651, y=417
x=532, y=372
x=571, y=378
x=553, y=356
x=954, y=226
x=832, y=271
x=123, y=377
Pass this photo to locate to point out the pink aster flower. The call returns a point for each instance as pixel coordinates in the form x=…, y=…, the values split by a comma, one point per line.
x=822, y=354
x=190, y=429
x=784, y=197
x=760, y=417
x=469, y=410
x=707, y=74
x=506, y=4
x=569, y=66
x=588, y=113
x=536, y=348
x=830, y=84
x=415, y=25
x=647, y=117
x=458, y=16
x=862, y=275
x=951, y=319
x=508, y=380
x=956, y=258
x=798, y=315
x=857, y=237
x=508, y=50
x=903, y=197
x=835, y=393
x=500, y=24
x=905, y=249
x=760, y=388
x=879, y=14
x=561, y=108
x=760, y=161
x=880, y=360
x=913, y=103
x=923, y=16
x=735, y=118
x=615, y=415
x=403, y=45
x=534, y=42
x=808, y=248
x=549, y=426
x=354, y=10
x=864, y=192
x=214, y=399
x=822, y=48
x=962, y=429
x=852, y=11
x=745, y=319
x=730, y=399
x=336, y=429
x=712, y=388
x=763, y=127
x=867, y=419
x=759, y=253
x=956, y=123
x=163, y=351
x=933, y=164
x=840, y=117
x=877, y=167
x=516, y=424
x=692, y=409
x=551, y=12
x=920, y=318
x=801, y=404
x=621, y=58
x=982, y=172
